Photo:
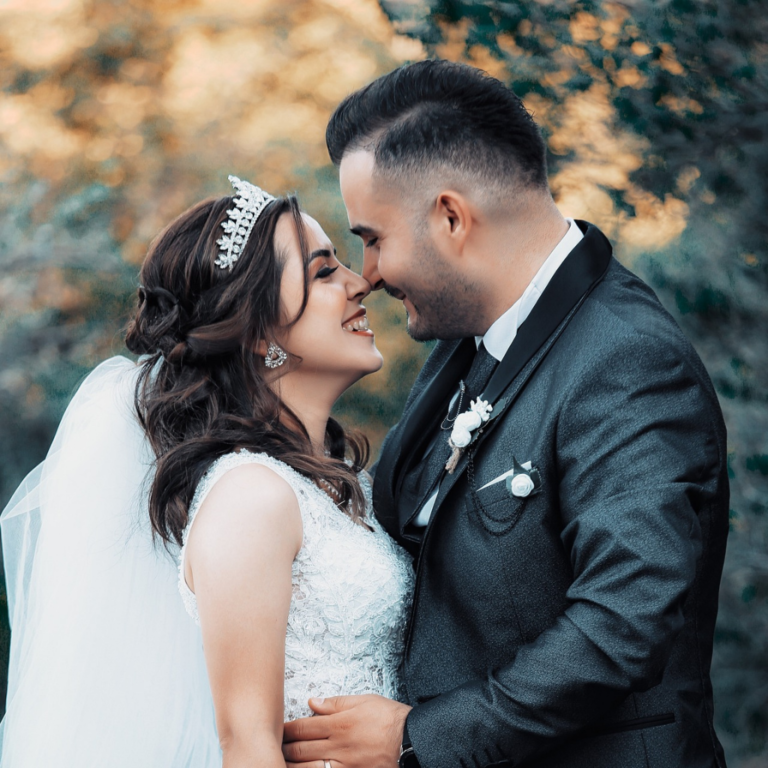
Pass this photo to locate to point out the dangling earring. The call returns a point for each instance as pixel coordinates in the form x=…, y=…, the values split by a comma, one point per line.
x=275, y=356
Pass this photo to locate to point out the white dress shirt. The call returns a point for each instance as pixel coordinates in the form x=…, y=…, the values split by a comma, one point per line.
x=499, y=337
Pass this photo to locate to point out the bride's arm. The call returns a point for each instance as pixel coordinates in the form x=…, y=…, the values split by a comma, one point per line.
x=238, y=563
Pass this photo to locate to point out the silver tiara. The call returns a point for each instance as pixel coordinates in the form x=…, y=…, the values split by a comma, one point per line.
x=249, y=205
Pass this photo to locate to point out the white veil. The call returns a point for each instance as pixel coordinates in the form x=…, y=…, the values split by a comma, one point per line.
x=106, y=668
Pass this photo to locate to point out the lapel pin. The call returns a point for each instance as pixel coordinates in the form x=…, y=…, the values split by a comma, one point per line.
x=464, y=427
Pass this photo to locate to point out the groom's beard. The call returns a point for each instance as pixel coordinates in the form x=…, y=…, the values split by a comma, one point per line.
x=445, y=306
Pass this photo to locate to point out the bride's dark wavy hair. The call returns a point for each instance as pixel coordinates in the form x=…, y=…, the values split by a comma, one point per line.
x=201, y=391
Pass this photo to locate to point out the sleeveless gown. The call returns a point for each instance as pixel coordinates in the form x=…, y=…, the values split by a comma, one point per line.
x=106, y=666
x=351, y=598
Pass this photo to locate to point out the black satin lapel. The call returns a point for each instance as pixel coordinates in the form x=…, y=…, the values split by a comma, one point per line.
x=383, y=498
x=571, y=284
x=414, y=430
x=423, y=412
x=580, y=271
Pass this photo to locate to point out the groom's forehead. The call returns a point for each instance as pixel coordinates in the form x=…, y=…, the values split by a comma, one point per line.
x=357, y=169
x=362, y=191
x=361, y=185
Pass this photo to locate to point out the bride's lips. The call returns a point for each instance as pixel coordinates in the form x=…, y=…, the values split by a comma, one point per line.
x=357, y=323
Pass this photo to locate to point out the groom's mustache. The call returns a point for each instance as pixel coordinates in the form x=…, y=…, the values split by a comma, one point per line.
x=395, y=293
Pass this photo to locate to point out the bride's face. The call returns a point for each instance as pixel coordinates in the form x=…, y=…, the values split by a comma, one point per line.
x=332, y=336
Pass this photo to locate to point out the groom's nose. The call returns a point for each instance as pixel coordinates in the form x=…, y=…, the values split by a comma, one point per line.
x=371, y=269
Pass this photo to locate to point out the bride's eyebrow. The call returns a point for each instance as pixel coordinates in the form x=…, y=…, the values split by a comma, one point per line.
x=322, y=253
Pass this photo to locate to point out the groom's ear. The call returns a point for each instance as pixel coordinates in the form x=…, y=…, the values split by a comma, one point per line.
x=452, y=220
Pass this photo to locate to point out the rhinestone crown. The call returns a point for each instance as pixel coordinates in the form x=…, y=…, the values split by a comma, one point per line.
x=249, y=205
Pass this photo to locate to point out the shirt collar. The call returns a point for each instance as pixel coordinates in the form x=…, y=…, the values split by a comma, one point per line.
x=501, y=334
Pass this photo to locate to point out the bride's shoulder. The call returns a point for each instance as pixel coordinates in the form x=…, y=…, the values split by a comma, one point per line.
x=251, y=485
x=248, y=519
x=246, y=478
x=244, y=492
x=259, y=469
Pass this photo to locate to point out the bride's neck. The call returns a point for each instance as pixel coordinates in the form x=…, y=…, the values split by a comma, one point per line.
x=312, y=402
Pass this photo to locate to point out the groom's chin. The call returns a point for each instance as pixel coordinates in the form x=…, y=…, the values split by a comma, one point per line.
x=424, y=331
x=418, y=331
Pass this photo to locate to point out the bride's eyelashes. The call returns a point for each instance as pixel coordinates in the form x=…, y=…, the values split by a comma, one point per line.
x=328, y=271
x=372, y=242
x=325, y=272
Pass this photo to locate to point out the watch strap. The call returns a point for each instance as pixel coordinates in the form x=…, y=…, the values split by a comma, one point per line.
x=408, y=757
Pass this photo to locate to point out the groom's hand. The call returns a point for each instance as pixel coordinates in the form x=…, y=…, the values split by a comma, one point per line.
x=349, y=731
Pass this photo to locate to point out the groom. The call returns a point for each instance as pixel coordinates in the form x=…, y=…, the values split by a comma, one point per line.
x=569, y=557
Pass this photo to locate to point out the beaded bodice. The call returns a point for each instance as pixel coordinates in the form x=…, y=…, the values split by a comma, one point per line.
x=352, y=591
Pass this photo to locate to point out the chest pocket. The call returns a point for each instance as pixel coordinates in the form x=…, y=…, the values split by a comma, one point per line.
x=495, y=508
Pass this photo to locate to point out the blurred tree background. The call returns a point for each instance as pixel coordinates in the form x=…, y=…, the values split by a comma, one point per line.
x=116, y=116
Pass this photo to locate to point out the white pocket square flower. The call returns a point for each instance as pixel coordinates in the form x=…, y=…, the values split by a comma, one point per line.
x=521, y=481
x=521, y=485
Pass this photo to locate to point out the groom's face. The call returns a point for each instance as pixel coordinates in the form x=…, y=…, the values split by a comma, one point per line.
x=399, y=255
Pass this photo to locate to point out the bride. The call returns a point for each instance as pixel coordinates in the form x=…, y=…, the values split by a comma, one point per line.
x=212, y=469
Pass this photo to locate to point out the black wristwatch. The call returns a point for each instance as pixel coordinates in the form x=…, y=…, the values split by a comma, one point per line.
x=408, y=757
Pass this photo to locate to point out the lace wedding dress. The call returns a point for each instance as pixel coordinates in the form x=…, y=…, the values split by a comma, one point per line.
x=352, y=591
x=106, y=666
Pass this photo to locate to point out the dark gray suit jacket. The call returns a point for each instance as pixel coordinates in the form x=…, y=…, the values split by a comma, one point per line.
x=573, y=627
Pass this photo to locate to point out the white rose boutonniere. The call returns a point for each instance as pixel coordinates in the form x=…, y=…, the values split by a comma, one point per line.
x=464, y=426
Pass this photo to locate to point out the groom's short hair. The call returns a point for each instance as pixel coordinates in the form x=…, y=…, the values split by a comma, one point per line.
x=441, y=113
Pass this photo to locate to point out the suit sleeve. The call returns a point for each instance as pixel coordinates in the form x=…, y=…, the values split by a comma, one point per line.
x=635, y=447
